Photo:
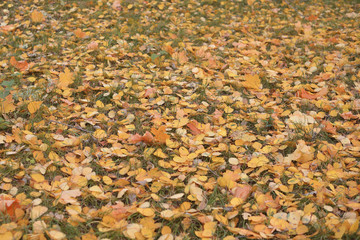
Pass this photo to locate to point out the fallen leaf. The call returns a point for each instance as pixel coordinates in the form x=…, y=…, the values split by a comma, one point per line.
x=34, y=106
x=20, y=65
x=37, y=212
x=8, y=205
x=79, y=33
x=65, y=79
x=37, y=16
x=252, y=82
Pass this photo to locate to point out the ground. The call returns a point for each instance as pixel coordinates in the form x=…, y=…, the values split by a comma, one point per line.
x=191, y=119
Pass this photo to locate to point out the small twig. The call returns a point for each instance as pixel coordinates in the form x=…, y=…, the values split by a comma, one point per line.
x=295, y=9
x=70, y=126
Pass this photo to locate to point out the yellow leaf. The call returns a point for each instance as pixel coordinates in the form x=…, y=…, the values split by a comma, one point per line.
x=177, y=196
x=147, y=152
x=100, y=134
x=159, y=153
x=183, y=152
x=65, y=79
x=37, y=177
x=354, y=227
x=231, y=72
x=7, y=105
x=333, y=175
x=252, y=82
x=250, y=2
x=147, y=212
x=156, y=186
x=171, y=144
x=302, y=229
x=236, y=201
x=197, y=192
x=230, y=238
x=258, y=161
x=107, y=180
x=166, y=230
x=96, y=189
x=180, y=123
x=37, y=211
x=209, y=229
x=100, y=104
x=56, y=235
x=37, y=16
x=161, y=6
x=132, y=230
x=34, y=106
x=6, y=236
x=293, y=181
x=228, y=109
x=166, y=214
x=310, y=208
x=279, y=224
x=179, y=159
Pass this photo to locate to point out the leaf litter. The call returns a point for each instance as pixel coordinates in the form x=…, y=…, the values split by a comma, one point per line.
x=179, y=119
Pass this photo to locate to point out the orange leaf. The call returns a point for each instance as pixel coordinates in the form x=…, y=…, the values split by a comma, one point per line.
x=7, y=28
x=148, y=138
x=169, y=49
x=243, y=192
x=329, y=127
x=79, y=33
x=37, y=16
x=304, y=94
x=160, y=134
x=193, y=127
x=93, y=45
x=8, y=205
x=312, y=18
x=120, y=211
x=348, y=115
x=135, y=138
x=20, y=65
